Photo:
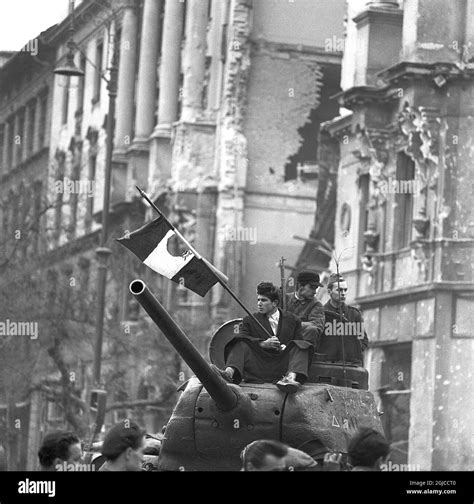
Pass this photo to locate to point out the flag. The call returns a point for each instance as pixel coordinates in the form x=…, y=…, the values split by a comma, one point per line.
x=150, y=245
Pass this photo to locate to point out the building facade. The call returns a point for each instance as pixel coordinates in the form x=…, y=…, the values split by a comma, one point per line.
x=404, y=221
x=26, y=85
x=218, y=113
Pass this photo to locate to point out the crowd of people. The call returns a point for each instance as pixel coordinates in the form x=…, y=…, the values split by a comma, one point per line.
x=125, y=446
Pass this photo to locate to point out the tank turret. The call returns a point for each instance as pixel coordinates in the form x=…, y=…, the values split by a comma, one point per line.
x=214, y=420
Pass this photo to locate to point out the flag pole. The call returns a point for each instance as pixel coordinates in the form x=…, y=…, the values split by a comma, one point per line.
x=207, y=263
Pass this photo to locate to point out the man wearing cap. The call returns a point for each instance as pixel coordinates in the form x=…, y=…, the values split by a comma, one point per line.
x=123, y=447
x=341, y=320
x=306, y=307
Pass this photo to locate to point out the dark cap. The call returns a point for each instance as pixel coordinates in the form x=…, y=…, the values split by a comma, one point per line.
x=121, y=436
x=306, y=277
x=334, y=278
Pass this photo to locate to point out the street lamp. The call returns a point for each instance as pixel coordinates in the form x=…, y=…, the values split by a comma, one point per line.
x=102, y=252
x=70, y=69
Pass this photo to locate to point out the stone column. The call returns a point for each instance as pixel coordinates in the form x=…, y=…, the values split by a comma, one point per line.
x=126, y=77
x=170, y=62
x=194, y=57
x=147, y=70
x=160, y=148
x=219, y=15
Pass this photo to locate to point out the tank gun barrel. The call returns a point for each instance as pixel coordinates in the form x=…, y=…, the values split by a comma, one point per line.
x=223, y=395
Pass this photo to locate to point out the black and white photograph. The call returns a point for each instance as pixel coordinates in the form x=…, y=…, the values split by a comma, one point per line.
x=237, y=236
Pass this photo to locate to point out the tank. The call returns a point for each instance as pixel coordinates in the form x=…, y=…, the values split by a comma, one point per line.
x=213, y=420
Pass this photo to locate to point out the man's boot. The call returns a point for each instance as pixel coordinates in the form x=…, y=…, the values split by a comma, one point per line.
x=288, y=384
x=228, y=377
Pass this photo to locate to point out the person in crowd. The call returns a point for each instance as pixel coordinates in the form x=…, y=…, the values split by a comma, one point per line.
x=59, y=450
x=270, y=455
x=368, y=450
x=298, y=460
x=326, y=458
x=123, y=447
x=264, y=455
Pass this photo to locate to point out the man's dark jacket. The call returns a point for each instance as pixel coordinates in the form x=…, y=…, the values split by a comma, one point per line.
x=289, y=332
x=311, y=314
x=330, y=345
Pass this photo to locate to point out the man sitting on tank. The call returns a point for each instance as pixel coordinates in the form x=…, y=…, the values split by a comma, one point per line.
x=258, y=356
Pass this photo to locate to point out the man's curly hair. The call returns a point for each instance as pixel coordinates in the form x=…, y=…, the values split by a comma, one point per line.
x=268, y=290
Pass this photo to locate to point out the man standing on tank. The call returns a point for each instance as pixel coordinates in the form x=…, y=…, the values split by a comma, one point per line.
x=255, y=355
x=342, y=320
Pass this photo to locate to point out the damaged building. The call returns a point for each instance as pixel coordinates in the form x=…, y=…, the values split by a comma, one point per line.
x=407, y=80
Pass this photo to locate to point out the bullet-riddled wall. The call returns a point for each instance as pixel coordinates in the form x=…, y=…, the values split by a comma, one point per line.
x=285, y=86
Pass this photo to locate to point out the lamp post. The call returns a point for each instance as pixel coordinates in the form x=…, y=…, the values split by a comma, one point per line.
x=102, y=252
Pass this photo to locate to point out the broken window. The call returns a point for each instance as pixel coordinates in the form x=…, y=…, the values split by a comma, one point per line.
x=303, y=164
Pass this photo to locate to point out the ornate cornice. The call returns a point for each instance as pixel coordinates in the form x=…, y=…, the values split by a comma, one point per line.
x=363, y=95
x=440, y=73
